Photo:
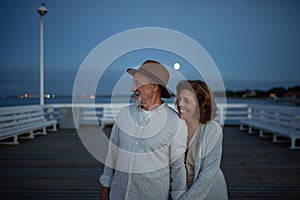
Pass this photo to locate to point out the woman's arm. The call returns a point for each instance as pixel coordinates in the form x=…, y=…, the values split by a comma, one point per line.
x=210, y=166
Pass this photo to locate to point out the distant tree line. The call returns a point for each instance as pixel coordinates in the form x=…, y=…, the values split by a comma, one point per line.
x=291, y=92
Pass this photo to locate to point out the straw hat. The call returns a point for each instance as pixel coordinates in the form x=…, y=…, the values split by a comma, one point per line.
x=157, y=72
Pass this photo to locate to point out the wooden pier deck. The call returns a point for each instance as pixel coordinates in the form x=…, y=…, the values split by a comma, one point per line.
x=57, y=166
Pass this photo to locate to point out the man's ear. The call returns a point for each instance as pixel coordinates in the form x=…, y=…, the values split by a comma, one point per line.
x=155, y=87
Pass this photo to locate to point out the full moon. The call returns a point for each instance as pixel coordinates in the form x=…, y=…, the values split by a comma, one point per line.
x=176, y=66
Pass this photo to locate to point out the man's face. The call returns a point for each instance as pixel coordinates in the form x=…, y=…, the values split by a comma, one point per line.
x=142, y=88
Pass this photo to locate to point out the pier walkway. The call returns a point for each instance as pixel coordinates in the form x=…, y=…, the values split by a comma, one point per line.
x=57, y=166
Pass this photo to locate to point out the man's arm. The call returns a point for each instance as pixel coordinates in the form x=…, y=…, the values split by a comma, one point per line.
x=105, y=193
x=177, y=166
x=111, y=158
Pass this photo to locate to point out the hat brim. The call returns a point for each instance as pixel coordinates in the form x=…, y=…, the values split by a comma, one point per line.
x=164, y=91
x=131, y=71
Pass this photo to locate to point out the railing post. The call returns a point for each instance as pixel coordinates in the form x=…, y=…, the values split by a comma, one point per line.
x=48, y=112
x=249, y=110
x=51, y=111
x=221, y=113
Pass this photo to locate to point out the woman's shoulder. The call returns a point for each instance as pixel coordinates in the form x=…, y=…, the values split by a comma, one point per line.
x=212, y=128
x=213, y=125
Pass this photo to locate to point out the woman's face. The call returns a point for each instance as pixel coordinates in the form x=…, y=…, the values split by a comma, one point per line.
x=187, y=105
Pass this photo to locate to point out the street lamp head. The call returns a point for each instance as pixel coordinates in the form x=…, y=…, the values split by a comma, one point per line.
x=42, y=10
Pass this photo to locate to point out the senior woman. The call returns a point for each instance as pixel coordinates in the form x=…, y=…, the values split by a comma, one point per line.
x=196, y=105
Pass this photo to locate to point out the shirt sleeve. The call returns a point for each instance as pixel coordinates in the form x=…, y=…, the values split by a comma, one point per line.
x=210, y=166
x=111, y=158
x=177, y=167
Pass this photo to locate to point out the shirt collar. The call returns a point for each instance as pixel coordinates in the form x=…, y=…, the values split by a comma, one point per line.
x=159, y=108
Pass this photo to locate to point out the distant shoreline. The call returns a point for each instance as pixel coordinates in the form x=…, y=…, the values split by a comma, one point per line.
x=67, y=99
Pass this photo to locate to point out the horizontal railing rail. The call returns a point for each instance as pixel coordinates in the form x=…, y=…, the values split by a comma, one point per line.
x=85, y=114
x=88, y=114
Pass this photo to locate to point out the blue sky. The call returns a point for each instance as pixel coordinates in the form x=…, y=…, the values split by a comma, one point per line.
x=254, y=43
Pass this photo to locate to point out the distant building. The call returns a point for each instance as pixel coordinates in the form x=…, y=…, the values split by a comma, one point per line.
x=273, y=96
x=249, y=94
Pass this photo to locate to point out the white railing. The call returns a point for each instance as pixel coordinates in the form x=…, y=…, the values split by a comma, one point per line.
x=89, y=114
x=83, y=114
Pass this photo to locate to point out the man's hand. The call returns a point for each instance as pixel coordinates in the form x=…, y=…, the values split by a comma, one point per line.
x=105, y=193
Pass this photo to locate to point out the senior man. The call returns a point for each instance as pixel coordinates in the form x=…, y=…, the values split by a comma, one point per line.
x=145, y=158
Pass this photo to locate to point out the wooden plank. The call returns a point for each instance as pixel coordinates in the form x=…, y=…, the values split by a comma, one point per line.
x=255, y=168
x=56, y=166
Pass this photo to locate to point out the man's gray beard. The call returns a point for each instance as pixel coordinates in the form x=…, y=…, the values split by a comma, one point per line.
x=139, y=102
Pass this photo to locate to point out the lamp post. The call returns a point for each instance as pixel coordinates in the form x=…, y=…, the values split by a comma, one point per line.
x=42, y=11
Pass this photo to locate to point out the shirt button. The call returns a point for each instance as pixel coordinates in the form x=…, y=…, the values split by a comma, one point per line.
x=136, y=143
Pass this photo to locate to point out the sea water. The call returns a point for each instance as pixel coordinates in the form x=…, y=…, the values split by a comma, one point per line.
x=68, y=100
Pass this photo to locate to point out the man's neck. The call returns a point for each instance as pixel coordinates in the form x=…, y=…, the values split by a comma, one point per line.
x=153, y=103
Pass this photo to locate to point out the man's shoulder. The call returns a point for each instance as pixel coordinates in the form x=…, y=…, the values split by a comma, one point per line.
x=171, y=111
x=173, y=117
x=126, y=109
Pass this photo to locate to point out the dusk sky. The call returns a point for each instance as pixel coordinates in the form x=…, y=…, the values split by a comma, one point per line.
x=254, y=43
